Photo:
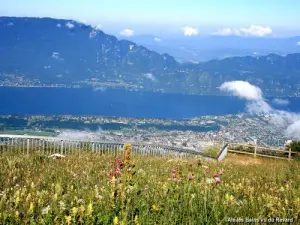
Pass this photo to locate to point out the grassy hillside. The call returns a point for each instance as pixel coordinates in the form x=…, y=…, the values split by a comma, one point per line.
x=97, y=189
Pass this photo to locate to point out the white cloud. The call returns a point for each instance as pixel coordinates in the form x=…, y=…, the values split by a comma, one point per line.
x=242, y=89
x=127, y=33
x=258, y=107
x=287, y=121
x=97, y=27
x=227, y=32
x=279, y=101
x=10, y=24
x=157, y=39
x=93, y=34
x=150, y=76
x=190, y=31
x=58, y=25
x=257, y=31
x=70, y=25
x=293, y=130
x=84, y=22
x=253, y=30
x=102, y=89
x=298, y=43
x=56, y=55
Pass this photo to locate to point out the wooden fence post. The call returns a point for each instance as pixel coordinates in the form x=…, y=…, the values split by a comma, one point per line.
x=27, y=146
x=61, y=147
x=290, y=153
x=255, y=148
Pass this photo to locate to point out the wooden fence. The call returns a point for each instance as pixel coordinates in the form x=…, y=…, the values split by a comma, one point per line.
x=52, y=145
x=261, y=151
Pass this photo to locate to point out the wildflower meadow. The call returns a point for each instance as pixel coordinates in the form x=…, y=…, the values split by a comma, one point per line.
x=91, y=188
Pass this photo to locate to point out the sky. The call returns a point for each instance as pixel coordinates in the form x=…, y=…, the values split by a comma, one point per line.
x=170, y=17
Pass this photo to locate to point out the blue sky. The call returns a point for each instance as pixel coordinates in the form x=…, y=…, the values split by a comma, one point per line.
x=222, y=17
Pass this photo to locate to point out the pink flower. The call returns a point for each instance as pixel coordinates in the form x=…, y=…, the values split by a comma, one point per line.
x=284, y=181
x=191, y=177
x=173, y=171
x=216, y=175
x=217, y=180
x=177, y=179
x=118, y=171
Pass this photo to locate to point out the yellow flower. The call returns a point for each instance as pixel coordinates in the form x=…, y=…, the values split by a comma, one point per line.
x=31, y=208
x=68, y=219
x=229, y=197
x=28, y=197
x=116, y=221
x=17, y=200
x=55, y=197
x=90, y=209
x=155, y=208
x=74, y=211
x=136, y=220
x=17, y=214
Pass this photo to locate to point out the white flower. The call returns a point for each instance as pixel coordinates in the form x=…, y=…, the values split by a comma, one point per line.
x=62, y=205
x=209, y=180
x=80, y=200
x=45, y=210
x=99, y=196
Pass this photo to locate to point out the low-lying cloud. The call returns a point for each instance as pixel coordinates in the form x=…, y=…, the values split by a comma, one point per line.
x=127, y=33
x=70, y=25
x=102, y=89
x=150, y=76
x=256, y=104
x=190, y=31
x=252, y=31
x=81, y=135
x=278, y=101
x=242, y=89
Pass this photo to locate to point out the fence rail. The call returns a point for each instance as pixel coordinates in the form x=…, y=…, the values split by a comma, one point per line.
x=261, y=151
x=52, y=145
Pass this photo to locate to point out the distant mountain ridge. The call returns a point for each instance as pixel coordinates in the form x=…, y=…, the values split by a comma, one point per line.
x=204, y=48
x=45, y=51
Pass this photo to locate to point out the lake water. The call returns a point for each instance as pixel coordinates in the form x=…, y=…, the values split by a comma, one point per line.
x=120, y=103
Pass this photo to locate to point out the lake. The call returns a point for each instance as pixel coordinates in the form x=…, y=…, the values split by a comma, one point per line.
x=120, y=103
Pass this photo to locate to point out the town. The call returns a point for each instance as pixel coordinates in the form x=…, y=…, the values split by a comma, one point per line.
x=187, y=133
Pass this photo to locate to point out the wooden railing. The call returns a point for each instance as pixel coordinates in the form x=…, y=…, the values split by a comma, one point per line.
x=261, y=151
x=52, y=145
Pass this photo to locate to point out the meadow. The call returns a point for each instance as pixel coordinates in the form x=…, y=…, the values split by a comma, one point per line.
x=91, y=188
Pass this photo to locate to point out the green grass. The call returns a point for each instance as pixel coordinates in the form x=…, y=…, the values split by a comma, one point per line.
x=79, y=189
x=212, y=151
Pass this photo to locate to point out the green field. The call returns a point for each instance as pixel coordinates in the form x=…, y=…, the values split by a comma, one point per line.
x=90, y=188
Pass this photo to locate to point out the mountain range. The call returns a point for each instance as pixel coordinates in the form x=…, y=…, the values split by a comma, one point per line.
x=204, y=48
x=45, y=51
